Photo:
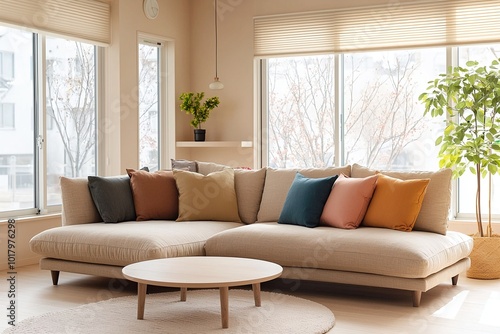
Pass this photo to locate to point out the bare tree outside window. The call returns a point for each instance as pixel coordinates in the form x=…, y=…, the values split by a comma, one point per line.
x=381, y=121
x=71, y=111
x=149, y=106
x=301, y=117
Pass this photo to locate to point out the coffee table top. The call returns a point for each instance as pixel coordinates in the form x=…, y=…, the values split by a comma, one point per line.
x=202, y=271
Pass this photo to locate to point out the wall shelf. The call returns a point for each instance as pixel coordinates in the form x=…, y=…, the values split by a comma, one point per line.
x=243, y=143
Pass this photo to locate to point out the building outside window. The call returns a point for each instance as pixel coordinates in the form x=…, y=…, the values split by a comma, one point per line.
x=7, y=120
x=52, y=135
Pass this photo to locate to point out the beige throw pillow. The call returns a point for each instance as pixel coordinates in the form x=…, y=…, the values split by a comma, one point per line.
x=278, y=182
x=206, y=168
x=249, y=185
x=433, y=216
x=207, y=197
x=77, y=204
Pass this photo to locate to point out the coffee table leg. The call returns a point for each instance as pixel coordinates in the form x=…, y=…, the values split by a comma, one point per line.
x=141, y=299
x=224, y=306
x=183, y=294
x=256, y=293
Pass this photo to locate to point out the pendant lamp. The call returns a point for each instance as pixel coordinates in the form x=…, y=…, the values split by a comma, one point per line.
x=216, y=84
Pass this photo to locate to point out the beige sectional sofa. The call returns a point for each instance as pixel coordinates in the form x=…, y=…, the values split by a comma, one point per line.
x=415, y=260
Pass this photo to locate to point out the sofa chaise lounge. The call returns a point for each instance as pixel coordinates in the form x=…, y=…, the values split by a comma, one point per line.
x=415, y=260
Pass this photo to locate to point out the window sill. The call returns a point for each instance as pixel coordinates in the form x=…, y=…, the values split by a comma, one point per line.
x=33, y=218
x=469, y=226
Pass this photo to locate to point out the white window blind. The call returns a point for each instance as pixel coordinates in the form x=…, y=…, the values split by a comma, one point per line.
x=86, y=20
x=394, y=25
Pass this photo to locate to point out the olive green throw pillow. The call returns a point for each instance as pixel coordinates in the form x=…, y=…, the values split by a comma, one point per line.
x=207, y=197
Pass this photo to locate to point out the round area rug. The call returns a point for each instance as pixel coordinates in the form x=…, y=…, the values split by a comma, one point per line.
x=165, y=313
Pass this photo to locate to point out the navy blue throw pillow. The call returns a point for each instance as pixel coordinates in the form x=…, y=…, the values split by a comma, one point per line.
x=305, y=200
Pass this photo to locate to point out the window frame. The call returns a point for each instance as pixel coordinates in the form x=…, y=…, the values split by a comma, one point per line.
x=166, y=96
x=39, y=124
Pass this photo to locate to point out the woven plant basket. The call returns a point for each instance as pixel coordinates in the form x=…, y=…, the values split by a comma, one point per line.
x=485, y=258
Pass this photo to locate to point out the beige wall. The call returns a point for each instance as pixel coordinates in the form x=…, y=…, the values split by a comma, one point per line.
x=120, y=133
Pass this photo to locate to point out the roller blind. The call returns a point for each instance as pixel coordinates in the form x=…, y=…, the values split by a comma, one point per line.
x=394, y=25
x=87, y=20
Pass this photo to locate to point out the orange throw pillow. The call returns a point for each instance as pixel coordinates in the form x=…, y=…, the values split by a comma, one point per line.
x=155, y=194
x=395, y=203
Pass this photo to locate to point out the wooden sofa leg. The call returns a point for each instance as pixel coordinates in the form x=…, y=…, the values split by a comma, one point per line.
x=55, y=276
x=417, y=295
x=454, y=280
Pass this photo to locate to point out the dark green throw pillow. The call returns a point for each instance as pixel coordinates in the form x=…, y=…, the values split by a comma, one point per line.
x=112, y=196
x=305, y=200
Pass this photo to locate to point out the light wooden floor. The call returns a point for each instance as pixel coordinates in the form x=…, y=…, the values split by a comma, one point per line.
x=473, y=306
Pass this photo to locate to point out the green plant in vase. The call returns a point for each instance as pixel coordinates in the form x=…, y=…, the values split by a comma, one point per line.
x=470, y=97
x=193, y=104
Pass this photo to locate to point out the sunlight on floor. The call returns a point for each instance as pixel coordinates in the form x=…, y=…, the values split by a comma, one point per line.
x=450, y=310
x=490, y=314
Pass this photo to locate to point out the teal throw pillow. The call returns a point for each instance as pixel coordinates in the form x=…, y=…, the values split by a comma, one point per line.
x=305, y=200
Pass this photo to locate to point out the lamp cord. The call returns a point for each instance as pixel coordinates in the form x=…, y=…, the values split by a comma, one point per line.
x=216, y=41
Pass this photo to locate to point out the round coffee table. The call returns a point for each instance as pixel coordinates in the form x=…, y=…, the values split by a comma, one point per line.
x=201, y=272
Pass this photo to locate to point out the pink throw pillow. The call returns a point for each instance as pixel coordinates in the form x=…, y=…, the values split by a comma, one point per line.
x=348, y=201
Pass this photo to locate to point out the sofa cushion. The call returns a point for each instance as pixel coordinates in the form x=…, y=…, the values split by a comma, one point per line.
x=207, y=197
x=395, y=203
x=348, y=201
x=206, y=168
x=305, y=200
x=112, y=196
x=77, y=204
x=155, y=194
x=127, y=242
x=433, y=216
x=248, y=185
x=188, y=165
x=277, y=184
x=366, y=249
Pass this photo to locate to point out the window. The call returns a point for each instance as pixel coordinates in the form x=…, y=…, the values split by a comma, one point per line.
x=383, y=125
x=54, y=134
x=71, y=112
x=7, y=120
x=325, y=110
x=6, y=65
x=17, y=160
x=301, y=112
x=382, y=57
x=149, y=104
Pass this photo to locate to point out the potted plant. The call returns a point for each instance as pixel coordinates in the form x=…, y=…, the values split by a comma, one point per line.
x=470, y=96
x=192, y=104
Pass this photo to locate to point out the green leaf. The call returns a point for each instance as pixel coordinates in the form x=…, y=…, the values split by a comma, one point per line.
x=493, y=169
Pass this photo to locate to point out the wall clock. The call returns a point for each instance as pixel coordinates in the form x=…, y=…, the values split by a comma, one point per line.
x=151, y=8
